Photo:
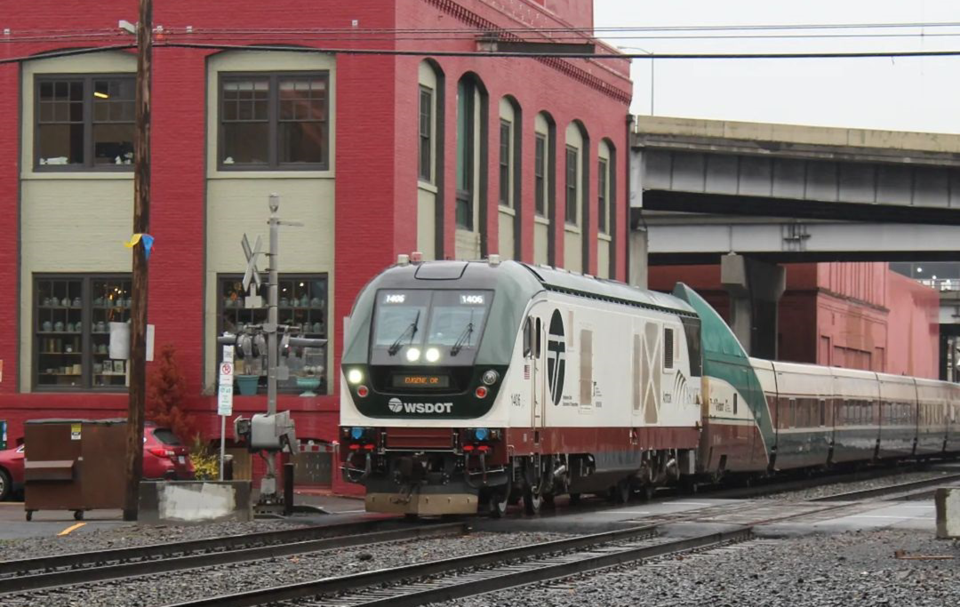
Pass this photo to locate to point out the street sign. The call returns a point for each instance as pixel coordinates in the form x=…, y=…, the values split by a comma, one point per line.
x=225, y=400
x=225, y=390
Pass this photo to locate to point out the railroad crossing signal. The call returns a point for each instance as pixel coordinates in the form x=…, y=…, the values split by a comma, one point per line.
x=252, y=274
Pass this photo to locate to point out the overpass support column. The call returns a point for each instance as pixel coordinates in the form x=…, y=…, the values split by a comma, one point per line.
x=755, y=289
x=637, y=258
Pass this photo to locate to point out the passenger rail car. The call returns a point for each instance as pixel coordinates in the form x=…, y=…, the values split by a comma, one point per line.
x=472, y=385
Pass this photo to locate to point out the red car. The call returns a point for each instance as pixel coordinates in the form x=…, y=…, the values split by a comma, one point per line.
x=11, y=472
x=164, y=458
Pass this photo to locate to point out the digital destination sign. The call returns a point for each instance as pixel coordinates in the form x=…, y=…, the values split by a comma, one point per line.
x=421, y=381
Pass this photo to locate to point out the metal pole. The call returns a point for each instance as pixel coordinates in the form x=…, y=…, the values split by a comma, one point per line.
x=223, y=448
x=141, y=225
x=273, y=286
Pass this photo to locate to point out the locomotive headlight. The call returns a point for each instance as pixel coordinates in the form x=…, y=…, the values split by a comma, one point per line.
x=433, y=355
x=481, y=434
x=490, y=377
x=355, y=376
x=356, y=433
x=413, y=354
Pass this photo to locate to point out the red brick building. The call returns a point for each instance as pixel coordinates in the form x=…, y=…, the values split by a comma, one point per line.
x=377, y=154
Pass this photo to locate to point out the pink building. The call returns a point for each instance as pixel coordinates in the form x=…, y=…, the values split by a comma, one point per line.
x=852, y=315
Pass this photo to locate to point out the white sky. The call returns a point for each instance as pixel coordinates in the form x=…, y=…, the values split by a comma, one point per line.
x=912, y=94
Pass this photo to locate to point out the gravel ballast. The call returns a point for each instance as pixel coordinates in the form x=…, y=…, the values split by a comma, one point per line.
x=130, y=536
x=168, y=588
x=838, y=488
x=849, y=570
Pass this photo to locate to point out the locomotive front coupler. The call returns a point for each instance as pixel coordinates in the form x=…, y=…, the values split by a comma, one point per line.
x=349, y=472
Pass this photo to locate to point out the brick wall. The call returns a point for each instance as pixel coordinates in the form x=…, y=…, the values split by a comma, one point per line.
x=375, y=163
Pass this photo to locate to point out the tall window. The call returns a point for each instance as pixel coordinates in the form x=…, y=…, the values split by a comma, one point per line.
x=540, y=175
x=302, y=303
x=84, y=122
x=426, y=134
x=274, y=121
x=72, y=315
x=573, y=159
x=466, y=136
x=506, y=183
x=602, y=195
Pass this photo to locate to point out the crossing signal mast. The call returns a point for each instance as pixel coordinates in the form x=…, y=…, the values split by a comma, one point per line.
x=268, y=433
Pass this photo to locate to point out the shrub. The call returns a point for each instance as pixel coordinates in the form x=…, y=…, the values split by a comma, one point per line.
x=166, y=388
x=206, y=461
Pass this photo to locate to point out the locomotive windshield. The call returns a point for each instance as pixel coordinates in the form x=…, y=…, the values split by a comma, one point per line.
x=442, y=322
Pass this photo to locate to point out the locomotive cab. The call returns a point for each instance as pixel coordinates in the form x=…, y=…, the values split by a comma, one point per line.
x=419, y=427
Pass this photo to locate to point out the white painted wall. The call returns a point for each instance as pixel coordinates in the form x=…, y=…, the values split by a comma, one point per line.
x=71, y=221
x=237, y=201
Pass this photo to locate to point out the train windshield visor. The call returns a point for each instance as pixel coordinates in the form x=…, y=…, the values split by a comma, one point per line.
x=448, y=320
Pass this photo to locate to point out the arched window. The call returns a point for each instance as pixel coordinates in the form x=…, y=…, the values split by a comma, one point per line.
x=509, y=169
x=544, y=189
x=471, y=165
x=606, y=209
x=430, y=160
x=576, y=215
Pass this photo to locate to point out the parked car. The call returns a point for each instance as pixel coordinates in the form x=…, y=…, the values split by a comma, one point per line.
x=11, y=472
x=164, y=458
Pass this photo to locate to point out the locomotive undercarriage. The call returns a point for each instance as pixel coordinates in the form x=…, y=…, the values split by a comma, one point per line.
x=424, y=483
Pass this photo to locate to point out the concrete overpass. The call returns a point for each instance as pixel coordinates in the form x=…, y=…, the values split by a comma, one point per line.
x=704, y=188
x=751, y=195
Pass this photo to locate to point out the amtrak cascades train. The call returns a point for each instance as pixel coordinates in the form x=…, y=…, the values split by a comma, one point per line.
x=472, y=385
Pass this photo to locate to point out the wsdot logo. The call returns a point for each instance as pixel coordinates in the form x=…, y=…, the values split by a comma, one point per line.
x=396, y=405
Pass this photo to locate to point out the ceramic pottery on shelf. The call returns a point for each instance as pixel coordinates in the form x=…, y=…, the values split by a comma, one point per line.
x=48, y=326
x=58, y=326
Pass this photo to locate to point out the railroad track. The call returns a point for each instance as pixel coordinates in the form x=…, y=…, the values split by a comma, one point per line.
x=459, y=577
x=85, y=567
x=896, y=489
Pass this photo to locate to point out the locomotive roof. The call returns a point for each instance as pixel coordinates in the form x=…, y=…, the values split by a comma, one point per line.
x=517, y=283
x=578, y=284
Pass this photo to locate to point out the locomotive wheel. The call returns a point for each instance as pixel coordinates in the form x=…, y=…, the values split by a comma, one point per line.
x=78, y=515
x=532, y=500
x=620, y=494
x=574, y=499
x=497, y=504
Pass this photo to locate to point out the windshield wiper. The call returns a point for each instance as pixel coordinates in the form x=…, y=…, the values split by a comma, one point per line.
x=411, y=329
x=464, y=338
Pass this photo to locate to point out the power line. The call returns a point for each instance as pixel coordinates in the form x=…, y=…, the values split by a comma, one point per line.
x=497, y=54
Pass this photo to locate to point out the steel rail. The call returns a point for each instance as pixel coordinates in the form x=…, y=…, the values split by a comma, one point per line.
x=365, y=579
x=143, y=567
x=887, y=490
x=511, y=576
x=89, y=559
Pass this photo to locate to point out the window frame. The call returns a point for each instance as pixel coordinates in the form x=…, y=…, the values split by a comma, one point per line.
x=505, y=164
x=603, y=199
x=86, y=341
x=273, y=163
x=88, y=164
x=426, y=173
x=469, y=180
x=572, y=186
x=222, y=278
x=540, y=195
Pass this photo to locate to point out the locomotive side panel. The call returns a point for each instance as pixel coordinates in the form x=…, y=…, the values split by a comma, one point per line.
x=898, y=416
x=933, y=398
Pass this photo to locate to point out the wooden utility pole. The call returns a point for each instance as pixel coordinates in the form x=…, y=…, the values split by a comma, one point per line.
x=141, y=225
